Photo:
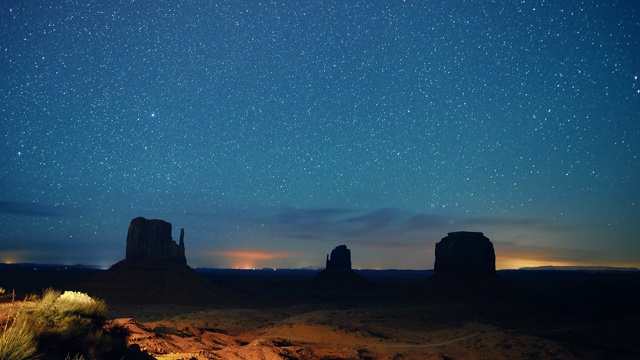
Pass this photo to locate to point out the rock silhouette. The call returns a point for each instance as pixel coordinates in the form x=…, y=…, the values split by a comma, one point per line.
x=465, y=267
x=340, y=259
x=151, y=240
x=338, y=272
x=465, y=252
x=155, y=270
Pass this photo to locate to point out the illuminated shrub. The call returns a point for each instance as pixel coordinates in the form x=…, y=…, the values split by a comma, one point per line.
x=72, y=324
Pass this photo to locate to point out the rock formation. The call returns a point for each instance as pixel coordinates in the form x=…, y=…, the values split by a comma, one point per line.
x=151, y=240
x=338, y=272
x=340, y=259
x=465, y=252
x=155, y=270
x=465, y=268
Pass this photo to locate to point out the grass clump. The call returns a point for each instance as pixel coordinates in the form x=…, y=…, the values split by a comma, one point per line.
x=17, y=340
x=72, y=323
x=69, y=325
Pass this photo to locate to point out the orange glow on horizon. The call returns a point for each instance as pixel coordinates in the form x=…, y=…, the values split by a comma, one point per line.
x=519, y=256
x=255, y=255
x=251, y=259
x=516, y=263
x=13, y=257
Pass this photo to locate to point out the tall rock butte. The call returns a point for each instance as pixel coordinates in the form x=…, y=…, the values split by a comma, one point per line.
x=338, y=272
x=340, y=259
x=155, y=270
x=150, y=240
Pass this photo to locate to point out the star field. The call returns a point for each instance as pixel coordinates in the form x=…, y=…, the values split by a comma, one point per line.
x=287, y=128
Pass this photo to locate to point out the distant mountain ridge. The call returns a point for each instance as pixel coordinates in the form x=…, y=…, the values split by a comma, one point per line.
x=581, y=268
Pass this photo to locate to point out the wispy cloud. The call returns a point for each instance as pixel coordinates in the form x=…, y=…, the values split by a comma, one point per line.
x=384, y=223
x=380, y=225
x=389, y=236
x=31, y=209
x=538, y=223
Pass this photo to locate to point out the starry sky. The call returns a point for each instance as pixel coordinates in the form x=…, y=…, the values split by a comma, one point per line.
x=273, y=131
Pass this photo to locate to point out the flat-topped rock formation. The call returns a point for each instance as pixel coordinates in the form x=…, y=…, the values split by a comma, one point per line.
x=155, y=270
x=338, y=272
x=465, y=267
x=465, y=252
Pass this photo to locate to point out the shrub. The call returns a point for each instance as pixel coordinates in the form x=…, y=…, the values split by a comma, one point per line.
x=71, y=302
x=71, y=324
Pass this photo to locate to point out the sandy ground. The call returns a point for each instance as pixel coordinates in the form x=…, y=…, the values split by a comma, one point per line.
x=303, y=332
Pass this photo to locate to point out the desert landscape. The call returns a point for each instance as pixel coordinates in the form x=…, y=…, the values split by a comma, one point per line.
x=165, y=310
x=347, y=179
x=554, y=315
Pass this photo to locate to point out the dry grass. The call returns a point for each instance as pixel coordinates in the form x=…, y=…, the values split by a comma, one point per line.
x=59, y=325
x=17, y=340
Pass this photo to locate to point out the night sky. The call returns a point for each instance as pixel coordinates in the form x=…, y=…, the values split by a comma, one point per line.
x=274, y=131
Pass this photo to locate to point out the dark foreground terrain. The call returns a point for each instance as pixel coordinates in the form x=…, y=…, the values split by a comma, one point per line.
x=281, y=315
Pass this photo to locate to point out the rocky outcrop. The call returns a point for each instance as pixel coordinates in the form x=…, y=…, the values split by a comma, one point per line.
x=465, y=269
x=155, y=270
x=465, y=252
x=150, y=240
x=338, y=272
x=340, y=259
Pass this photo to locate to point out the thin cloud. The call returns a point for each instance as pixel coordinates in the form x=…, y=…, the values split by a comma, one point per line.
x=392, y=231
x=347, y=225
x=419, y=222
x=537, y=223
x=305, y=216
x=31, y=209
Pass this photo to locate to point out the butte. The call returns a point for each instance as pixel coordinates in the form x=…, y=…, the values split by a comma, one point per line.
x=465, y=267
x=155, y=271
x=338, y=273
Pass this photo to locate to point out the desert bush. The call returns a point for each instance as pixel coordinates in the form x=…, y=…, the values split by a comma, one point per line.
x=72, y=302
x=17, y=341
x=73, y=323
x=69, y=325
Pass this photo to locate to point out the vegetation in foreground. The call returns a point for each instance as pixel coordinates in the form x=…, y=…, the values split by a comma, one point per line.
x=69, y=325
x=17, y=340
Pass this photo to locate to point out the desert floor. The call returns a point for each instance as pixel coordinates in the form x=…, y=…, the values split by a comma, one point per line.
x=277, y=315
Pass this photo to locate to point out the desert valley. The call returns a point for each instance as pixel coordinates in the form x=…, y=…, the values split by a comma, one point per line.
x=463, y=309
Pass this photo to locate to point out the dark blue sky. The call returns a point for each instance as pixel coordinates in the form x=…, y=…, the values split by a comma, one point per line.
x=274, y=131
